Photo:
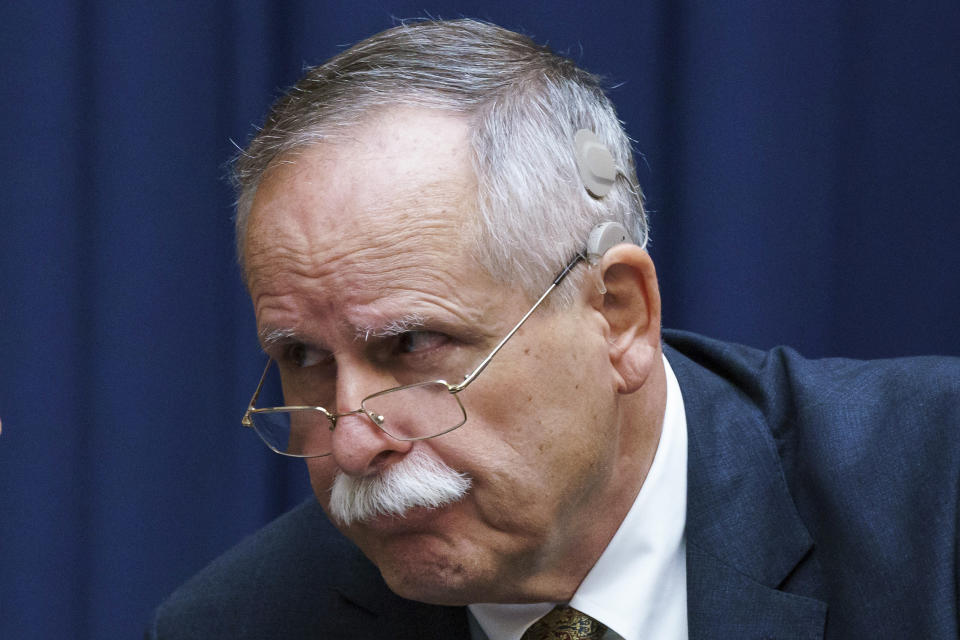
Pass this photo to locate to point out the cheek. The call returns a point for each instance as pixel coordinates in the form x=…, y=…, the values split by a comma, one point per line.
x=322, y=472
x=541, y=434
x=527, y=451
x=544, y=400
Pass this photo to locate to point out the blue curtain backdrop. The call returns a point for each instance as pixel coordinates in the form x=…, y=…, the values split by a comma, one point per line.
x=800, y=161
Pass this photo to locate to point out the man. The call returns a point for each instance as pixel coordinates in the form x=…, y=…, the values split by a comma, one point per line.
x=443, y=241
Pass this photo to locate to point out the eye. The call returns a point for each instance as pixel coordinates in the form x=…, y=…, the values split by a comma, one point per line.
x=302, y=356
x=420, y=341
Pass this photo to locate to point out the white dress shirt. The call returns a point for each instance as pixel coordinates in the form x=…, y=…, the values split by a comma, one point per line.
x=638, y=587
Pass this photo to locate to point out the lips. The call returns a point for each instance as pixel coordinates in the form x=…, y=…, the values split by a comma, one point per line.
x=414, y=520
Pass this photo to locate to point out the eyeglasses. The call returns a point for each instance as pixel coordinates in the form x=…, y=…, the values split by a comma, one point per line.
x=410, y=412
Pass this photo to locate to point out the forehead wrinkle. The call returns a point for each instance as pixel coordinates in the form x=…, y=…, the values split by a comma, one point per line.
x=364, y=264
x=267, y=263
x=414, y=214
x=375, y=289
x=391, y=257
x=413, y=224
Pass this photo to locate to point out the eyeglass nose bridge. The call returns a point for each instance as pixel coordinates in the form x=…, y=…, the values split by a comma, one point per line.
x=376, y=419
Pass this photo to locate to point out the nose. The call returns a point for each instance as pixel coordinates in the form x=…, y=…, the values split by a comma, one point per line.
x=359, y=447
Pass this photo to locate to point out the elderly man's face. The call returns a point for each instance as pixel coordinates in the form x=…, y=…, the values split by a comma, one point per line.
x=359, y=248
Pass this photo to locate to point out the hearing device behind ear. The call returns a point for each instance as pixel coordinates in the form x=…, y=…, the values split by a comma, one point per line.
x=602, y=237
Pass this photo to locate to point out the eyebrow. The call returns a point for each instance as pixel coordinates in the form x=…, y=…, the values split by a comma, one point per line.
x=394, y=327
x=272, y=337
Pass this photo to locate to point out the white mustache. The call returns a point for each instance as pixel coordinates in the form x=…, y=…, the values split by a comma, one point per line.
x=416, y=481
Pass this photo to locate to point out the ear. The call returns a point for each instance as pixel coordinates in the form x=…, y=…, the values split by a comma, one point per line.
x=631, y=308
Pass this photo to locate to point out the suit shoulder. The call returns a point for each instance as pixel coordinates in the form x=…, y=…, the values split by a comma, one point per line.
x=889, y=425
x=785, y=386
x=278, y=578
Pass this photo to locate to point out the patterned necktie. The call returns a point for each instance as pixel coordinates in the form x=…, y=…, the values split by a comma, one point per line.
x=565, y=623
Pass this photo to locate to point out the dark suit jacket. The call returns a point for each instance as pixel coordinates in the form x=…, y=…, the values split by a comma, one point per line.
x=822, y=502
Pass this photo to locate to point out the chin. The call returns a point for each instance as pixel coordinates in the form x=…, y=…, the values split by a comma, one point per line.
x=440, y=581
x=439, y=556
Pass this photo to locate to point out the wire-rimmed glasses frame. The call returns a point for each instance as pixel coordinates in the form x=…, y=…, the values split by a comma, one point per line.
x=375, y=417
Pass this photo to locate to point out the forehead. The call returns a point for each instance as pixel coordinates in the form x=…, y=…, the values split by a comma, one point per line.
x=402, y=168
x=383, y=210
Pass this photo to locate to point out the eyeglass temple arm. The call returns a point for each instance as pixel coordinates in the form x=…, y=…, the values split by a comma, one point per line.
x=483, y=365
x=246, y=421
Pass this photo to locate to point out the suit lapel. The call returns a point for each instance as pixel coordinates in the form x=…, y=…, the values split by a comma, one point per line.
x=724, y=603
x=744, y=537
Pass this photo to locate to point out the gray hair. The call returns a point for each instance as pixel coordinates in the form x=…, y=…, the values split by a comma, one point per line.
x=523, y=104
